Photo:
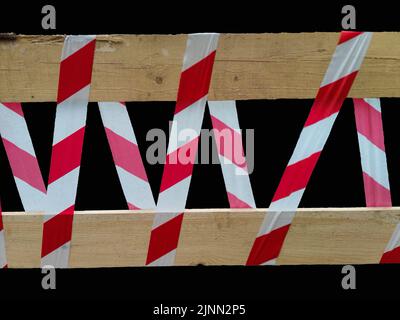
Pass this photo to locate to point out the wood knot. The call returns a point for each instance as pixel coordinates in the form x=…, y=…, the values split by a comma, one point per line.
x=159, y=80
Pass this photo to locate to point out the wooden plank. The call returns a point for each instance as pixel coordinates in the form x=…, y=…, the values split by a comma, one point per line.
x=210, y=237
x=146, y=67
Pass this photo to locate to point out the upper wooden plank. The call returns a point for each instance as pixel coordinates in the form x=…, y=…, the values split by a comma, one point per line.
x=147, y=67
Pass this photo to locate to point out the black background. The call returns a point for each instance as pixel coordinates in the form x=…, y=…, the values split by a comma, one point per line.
x=336, y=182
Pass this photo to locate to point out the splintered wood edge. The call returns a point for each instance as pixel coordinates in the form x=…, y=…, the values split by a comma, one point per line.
x=209, y=237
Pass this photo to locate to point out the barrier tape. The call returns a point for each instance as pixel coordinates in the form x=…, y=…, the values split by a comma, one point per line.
x=23, y=162
x=73, y=97
x=126, y=155
x=3, y=258
x=372, y=150
x=189, y=111
x=228, y=138
x=368, y=116
x=339, y=77
x=22, y=158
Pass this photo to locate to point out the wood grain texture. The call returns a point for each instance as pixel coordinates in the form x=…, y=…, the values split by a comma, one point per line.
x=147, y=67
x=209, y=236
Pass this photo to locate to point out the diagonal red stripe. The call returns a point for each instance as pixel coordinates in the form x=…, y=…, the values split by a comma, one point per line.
x=1, y=228
x=179, y=164
x=66, y=155
x=369, y=122
x=392, y=256
x=194, y=82
x=14, y=106
x=126, y=154
x=1, y=222
x=330, y=98
x=132, y=207
x=164, y=239
x=296, y=176
x=229, y=143
x=24, y=166
x=57, y=231
x=76, y=71
x=235, y=202
x=267, y=246
x=376, y=195
x=348, y=35
x=1, y=218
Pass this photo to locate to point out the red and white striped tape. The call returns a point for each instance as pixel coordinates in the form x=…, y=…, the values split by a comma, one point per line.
x=342, y=70
x=22, y=158
x=392, y=250
x=372, y=150
x=24, y=165
x=228, y=138
x=73, y=97
x=3, y=258
x=126, y=155
x=130, y=168
x=368, y=115
x=189, y=111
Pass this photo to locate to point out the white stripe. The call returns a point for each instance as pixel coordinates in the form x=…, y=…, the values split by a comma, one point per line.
x=73, y=43
x=199, y=46
x=136, y=191
x=271, y=262
x=163, y=217
x=281, y=212
x=275, y=220
x=58, y=258
x=289, y=203
x=13, y=128
x=33, y=200
x=237, y=184
x=394, y=241
x=374, y=103
x=71, y=115
x=116, y=118
x=347, y=58
x=373, y=161
x=312, y=139
x=187, y=121
x=61, y=193
x=3, y=259
x=164, y=261
x=173, y=199
x=226, y=112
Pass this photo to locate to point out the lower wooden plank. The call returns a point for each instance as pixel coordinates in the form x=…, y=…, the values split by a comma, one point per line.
x=209, y=237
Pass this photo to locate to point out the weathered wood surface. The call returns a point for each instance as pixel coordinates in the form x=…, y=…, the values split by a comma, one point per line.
x=147, y=67
x=209, y=236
